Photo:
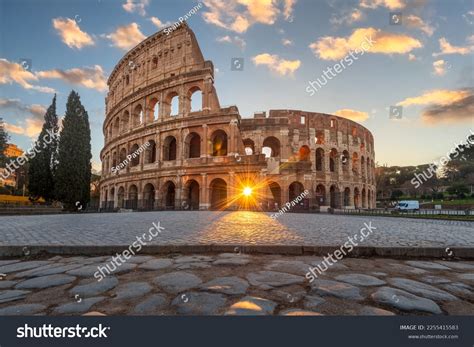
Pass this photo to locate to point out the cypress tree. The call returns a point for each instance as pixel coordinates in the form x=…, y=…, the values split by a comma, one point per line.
x=73, y=175
x=43, y=164
x=3, y=143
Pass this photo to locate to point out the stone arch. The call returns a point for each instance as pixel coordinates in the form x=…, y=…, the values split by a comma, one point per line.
x=169, y=194
x=125, y=120
x=219, y=143
x=191, y=195
x=334, y=196
x=149, y=197
x=345, y=161
x=132, y=201
x=123, y=155
x=362, y=165
x=356, y=197
x=294, y=190
x=275, y=190
x=153, y=109
x=150, y=152
x=355, y=163
x=172, y=102
x=249, y=146
x=347, y=197
x=195, y=99
x=116, y=126
x=304, y=153
x=321, y=195
x=274, y=144
x=333, y=160
x=218, y=194
x=320, y=159
x=137, y=115
x=121, y=197
x=169, y=148
x=135, y=155
x=192, y=146
x=364, y=198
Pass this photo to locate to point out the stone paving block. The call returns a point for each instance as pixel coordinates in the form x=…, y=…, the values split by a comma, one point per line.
x=22, y=310
x=252, y=306
x=404, y=301
x=45, y=282
x=175, y=282
x=192, y=303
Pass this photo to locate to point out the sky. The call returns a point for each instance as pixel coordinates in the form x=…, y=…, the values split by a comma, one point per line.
x=420, y=61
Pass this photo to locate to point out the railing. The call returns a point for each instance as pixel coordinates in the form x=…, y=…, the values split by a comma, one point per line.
x=408, y=213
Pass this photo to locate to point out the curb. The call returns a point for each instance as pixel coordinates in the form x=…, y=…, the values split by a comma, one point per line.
x=390, y=252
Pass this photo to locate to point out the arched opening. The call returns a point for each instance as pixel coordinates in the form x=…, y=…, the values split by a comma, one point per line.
x=170, y=195
x=123, y=155
x=334, y=197
x=135, y=155
x=273, y=144
x=219, y=143
x=116, y=131
x=132, y=201
x=218, y=194
x=111, y=199
x=347, y=197
x=193, y=146
x=333, y=160
x=345, y=161
x=295, y=189
x=169, y=148
x=195, y=99
x=114, y=159
x=275, y=202
x=249, y=146
x=356, y=198
x=304, y=153
x=154, y=110
x=320, y=159
x=369, y=199
x=191, y=194
x=125, y=121
x=149, y=197
x=321, y=195
x=362, y=166
x=355, y=163
x=137, y=116
x=150, y=153
x=364, y=198
x=121, y=197
x=174, y=104
x=319, y=137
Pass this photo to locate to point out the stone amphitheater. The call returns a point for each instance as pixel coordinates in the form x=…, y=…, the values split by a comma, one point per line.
x=180, y=149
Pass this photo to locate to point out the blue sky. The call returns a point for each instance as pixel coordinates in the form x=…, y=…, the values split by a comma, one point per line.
x=425, y=64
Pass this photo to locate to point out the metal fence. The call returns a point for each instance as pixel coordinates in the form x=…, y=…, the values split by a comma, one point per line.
x=422, y=212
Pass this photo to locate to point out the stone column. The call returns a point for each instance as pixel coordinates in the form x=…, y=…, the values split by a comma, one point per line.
x=205, y=140
x=204, y=193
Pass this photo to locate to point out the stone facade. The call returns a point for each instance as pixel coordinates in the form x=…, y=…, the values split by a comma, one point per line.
x=202, y=156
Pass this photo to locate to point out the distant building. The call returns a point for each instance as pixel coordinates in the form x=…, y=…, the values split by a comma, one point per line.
x=6, y=179
x=13, y=151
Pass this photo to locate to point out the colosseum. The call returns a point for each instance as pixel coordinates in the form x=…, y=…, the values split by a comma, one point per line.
x=180, y=149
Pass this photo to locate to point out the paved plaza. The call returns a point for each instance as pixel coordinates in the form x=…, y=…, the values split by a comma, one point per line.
x=243, y=228
x=235, y=284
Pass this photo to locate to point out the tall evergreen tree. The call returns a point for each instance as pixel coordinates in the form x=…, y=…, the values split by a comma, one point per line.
x=3, y=143
x=73, y=175
x=43, y=165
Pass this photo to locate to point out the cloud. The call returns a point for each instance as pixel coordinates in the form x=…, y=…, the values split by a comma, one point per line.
x=276, y=64
x=439, y=67
x=238, y=41
x=88, y=77
x=347, y=17
x=286, y=42
x=334, y=48
x=416, y=22
x=444, y=106
x=356, y=116
x=469, y=17
x=412, y=57
x=35, y=110
x=447, y=48
x=31, y=127
x=239, y=15
x=15, y=73
x=71, y=34
x=390, y=4
x=441, y=97
x=126, y=36
x=137, y=6
x=159, y=24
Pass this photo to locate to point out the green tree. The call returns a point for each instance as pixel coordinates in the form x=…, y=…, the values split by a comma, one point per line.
x=43, y=164
x=3, y=143
x=73, y=175
x=458, y=189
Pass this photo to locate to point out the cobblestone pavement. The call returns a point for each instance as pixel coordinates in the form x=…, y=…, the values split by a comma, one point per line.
x=235, y=284
x=246, y=228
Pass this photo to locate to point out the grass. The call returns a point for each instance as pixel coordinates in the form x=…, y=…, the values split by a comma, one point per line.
x=466, y=218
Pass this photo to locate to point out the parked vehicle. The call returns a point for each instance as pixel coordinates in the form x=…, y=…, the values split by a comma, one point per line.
x=408, y=205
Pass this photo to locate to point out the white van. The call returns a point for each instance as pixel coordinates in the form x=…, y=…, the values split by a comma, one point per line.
x=408, y=205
